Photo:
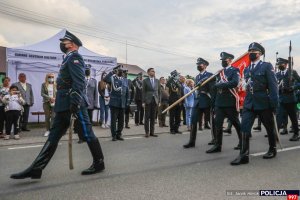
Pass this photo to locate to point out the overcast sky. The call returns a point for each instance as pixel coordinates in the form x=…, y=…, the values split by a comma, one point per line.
x=189, y=28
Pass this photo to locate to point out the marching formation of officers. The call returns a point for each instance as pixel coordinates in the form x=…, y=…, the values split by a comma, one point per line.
x=216, y=96
x=269, y=96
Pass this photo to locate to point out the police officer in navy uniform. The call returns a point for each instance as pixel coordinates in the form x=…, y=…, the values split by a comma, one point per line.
x=287, y=97
x=261, y=99
x=226, y=101
x=202, y=101
x=70, y=100
x=119, y=100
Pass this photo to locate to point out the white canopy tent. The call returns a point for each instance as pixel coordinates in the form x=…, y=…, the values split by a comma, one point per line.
x=44, y=57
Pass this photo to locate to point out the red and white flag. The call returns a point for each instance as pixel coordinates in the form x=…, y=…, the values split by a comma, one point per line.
x=242, y=62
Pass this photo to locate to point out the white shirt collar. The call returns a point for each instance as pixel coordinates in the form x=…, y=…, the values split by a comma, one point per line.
x=284, y=71
x=201, y=73
x=227, y=67
x=255, y=63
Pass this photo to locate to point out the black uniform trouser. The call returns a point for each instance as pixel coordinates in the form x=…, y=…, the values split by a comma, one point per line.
x=61, y=124
x=2, y=118
x=150, y=113
x=117, y=116
x=127, y=112
x=90, y=113
x=289, y=109
x=183, y=113
x=24, y=117
x=12, y=118
x=78, y=127
x=267, y=120
x=174, y=116
x=139, y=114
x=206, y=113
x=226, y=112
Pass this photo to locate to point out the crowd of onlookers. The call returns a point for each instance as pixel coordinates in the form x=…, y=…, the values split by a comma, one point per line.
x=17, y=98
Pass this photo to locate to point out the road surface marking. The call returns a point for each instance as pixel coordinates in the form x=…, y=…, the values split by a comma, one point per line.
x=280, y=150
x=27, y=147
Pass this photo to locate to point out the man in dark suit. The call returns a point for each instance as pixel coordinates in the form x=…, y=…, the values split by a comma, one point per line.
x=70, y=100
x=261, y=99
x=138, y=98
x=226, y=101
x=27, y=94
x=151, y=100
x=288, y=83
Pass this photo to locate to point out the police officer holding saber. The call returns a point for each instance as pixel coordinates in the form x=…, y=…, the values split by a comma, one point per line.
x=70, y=100
x=261, y=99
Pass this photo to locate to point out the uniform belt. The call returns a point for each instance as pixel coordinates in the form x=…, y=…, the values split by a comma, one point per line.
x=62, y=87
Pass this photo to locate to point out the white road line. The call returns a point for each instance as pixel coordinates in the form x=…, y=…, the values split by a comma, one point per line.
x=280, y=150
x=130, y=138
x=27, y=147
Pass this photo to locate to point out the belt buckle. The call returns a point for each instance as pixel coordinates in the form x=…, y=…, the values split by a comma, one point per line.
x=251, y=90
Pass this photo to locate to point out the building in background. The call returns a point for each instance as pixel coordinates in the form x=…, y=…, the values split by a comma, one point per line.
x=133, y=70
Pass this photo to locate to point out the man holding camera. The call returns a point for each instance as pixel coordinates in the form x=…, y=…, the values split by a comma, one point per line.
x=130, y=86
x=138, y=98
x=174, y=94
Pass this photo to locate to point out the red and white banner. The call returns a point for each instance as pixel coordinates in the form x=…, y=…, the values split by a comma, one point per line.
x=242, y=62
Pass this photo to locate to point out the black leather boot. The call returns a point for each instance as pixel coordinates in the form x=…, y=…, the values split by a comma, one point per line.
x=206, y=125
x=295, y=137
x=243, y=157
x=272, y=149
x=284, y=131
x=271, y=153
x=193, y=135
x=240, y=141
x=218, y=145
x=98, y=158
x=35, y=170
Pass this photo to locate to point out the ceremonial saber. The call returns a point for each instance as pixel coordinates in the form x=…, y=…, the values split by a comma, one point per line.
x=71, y=166
x=276, y=130
x=193, y=90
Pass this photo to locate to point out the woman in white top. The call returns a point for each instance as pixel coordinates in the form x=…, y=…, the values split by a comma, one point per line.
x=48, y=92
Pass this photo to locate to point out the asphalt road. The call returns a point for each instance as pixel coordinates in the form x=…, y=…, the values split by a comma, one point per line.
x=152, y=168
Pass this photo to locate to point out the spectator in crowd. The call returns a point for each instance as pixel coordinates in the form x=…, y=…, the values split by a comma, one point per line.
x=3, y=91
x=189, y=102
x=13, y=106
x=27, y=94
x=138, y=84
x=182, y=81
x=91, y=92
x=130, y=86
x=164, y=102
x=48, y=92
x=104, y=97
x=151, y=99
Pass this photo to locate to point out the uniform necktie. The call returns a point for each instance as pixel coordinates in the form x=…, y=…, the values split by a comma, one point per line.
x=252, y=67
x=282, y=73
